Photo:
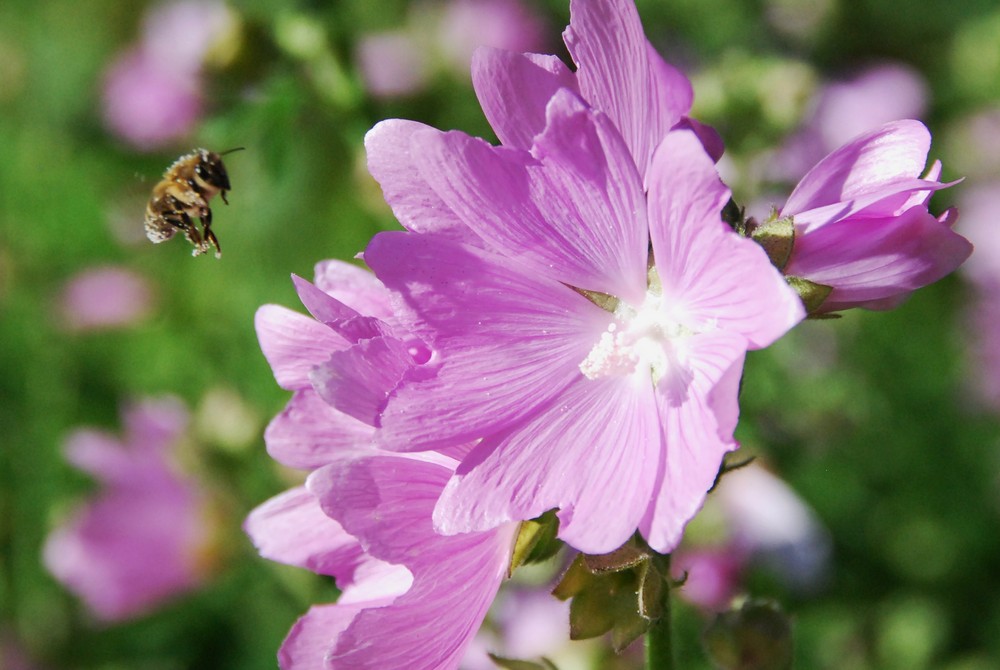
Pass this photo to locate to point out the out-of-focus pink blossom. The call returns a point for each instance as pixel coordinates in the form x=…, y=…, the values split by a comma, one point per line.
x=152, y=92
x=145, y=537
x=983, y=335
x=443, y=36
x=712, y=575
x=467, y=25
x=862, y=225
x=769, y=523
x=979, y=205
x=879, y=94
x=105, y=297
x=392, y=63
x=179, y=35
x=149, y=104
x=844, y=109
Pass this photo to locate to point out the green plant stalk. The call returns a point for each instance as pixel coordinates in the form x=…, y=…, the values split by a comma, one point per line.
x=659, y=637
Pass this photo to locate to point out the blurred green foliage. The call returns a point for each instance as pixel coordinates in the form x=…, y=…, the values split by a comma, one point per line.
x=868, y=417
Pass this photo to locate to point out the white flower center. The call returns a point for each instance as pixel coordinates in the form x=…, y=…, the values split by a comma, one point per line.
x=643, y=338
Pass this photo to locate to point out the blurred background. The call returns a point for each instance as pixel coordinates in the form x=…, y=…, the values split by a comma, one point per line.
x=131, y=383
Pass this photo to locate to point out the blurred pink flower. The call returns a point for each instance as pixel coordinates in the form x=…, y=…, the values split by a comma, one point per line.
x=392, y=63
x=467, y=25
x=152, y=92
x=105, y=297
x=862, y=225
x=983, y=335
x=770, y=524
x=879, y=94
x=843, y=110
x=979, y=205
x=149, y=104
x=443, y=36
x=712, y=575
x=145, y=537
x=179, y=35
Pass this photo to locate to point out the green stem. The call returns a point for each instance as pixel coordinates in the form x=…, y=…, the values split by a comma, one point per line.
x=659, y=637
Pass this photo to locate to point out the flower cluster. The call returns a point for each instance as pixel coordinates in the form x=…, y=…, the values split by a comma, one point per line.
x=146, y=537
x=561, y=326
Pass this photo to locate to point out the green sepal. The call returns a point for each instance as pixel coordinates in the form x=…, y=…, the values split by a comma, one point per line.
x=625, y=557
x=536, y=541
x=813, y=295
x=515, y=664
x=777, y=237
x=757, y=636
x=621, y=592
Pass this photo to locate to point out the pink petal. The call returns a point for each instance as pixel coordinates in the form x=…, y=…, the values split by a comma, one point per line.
x=697, y=432
x=293, y=343
x=313, y=636
x=309, y=433
x=386, y=502
x=354, y=286
x=358, y=380
x=412, y=200
x=697, y=254
x=869, y=164
x=578, y=218
x=872, y=259
x=343, y=320
x=892, y=199
x=614, y=73
x=514, y=90
x=505, y=341
x=672, y=92
x=549, y=462
x=291, y=528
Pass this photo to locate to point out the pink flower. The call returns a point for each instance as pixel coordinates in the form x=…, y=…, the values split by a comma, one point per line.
x=879, y=94
x=392, y=63
x=712, y=575
x=773, y=526
x=467, y=25
x=597, y=380
x=105, y=297
x=152, y=92
x=148, y=104
x=145, y=538
x=862, y=225
x=393, y=568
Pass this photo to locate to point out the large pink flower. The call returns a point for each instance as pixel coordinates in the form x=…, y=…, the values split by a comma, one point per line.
x=145, y=537
x=862, y=225
x=598, y=380
x=392, y=567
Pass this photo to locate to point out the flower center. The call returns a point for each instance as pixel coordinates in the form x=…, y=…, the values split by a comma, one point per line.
x=639, y=338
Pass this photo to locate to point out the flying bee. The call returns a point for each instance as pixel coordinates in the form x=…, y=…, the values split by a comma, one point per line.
x=183, y=195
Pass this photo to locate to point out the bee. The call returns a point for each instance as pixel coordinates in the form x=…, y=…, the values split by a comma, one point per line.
x=183, y=195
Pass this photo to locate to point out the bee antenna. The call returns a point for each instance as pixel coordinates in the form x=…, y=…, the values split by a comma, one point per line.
x=229, y=151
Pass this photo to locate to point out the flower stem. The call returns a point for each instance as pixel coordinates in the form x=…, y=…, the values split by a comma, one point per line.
x=659, y=637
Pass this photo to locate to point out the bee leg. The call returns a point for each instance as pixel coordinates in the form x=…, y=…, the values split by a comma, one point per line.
x=206, y=224
x=183, y=221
